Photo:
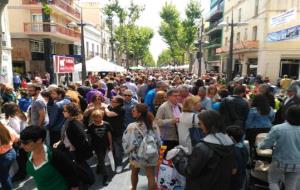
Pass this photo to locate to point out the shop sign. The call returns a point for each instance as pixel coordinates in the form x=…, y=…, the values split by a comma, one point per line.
x=283, y=18
x=63, y=64
x=286, y=34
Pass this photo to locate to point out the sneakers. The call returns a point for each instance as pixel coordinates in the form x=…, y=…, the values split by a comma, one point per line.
x=119, y=169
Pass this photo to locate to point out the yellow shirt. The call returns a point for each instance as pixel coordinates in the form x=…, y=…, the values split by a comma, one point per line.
x=285, y=83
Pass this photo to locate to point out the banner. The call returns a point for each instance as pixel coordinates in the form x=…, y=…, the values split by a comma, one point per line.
x=63, y=64
x=286, y=34
x=284, y=17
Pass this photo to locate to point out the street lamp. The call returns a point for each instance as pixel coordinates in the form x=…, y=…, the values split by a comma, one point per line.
x=230, y=56
x=75, y=25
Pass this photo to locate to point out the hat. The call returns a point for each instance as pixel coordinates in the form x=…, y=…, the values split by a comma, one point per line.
x=292, y=88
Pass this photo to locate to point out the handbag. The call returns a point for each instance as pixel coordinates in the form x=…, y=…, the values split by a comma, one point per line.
x=196, y=133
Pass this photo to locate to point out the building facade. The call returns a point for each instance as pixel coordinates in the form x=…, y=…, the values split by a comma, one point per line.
x=269, y=43
x=214, y=35
x=97, y=36
x=6, y=73
x=36, y=36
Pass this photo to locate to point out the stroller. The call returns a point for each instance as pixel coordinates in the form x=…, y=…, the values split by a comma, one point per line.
x=260, y=160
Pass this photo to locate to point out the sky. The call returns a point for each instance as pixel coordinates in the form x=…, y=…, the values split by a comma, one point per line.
x=150, y=17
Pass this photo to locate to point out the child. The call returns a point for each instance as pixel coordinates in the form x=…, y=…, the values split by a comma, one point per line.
x=101, y=140
x=241, y=157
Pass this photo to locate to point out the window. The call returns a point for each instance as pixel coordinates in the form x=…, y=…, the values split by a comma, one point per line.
x=256, y=7
x=38, y=19
x=238, y=37
x=36, y=46
x=240, y=15
x=254, y=33
x=246, y=34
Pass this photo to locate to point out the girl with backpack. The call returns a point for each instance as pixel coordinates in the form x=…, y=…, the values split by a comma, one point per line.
x=141, y=141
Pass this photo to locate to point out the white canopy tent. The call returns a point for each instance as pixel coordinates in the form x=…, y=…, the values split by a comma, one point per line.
x=97, y=64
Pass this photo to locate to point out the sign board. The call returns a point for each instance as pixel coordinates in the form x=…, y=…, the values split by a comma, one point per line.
x=285, y=17
x=63, y=64
x=286, y=34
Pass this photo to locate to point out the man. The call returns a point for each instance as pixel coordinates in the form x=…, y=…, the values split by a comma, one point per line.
x=234, y=109
x=128, y=105
x=56, y=117
x=160, y=86
x=131, y=86
x=205, y=101
x=290, y=100
x=16, y=81
x=38, y=115
x=285, y=82
x=184, y=91
x=167, y=118
x=145, y=88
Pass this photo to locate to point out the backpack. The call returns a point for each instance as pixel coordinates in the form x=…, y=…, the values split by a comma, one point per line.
x=148, y=148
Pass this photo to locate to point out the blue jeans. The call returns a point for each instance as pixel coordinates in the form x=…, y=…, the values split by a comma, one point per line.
x=6, y=161
x=118, y=151
x=277, y=174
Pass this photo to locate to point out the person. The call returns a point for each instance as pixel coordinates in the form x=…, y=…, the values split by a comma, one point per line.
x=131, y=86
x=285, y=142
x=132, y=140
x=160, y=86
x=15, y=117
x=191, y=106
x=261, y=114
x=167, y=118
x=114, y=115
x=159, y=99
x=50, y=169
x=205, y=101
x=199, y=83
x=96, y=103
x=291, y=99
x=184, y=91
x=93, y=91
x=211, y=163
x=16, y=81
x=285, y=82
x=128, y=105
x=72, y=94
x=9, y=95
x=56, y=117
x=74, y=140
x=101, y=141
x=7, y=155
x=234, y=109
x=38, y=115
x=24, y=101
x=265, y=90
x=241, y=157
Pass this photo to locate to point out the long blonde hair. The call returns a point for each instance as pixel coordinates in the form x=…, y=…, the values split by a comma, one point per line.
x=5, y=137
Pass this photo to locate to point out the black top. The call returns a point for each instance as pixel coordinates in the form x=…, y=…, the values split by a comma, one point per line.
x=116, y=123
x=99, y=135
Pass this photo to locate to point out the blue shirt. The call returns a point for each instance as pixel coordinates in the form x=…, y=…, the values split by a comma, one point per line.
x=149, y=99
x=128, y=106
x=256, y=120
x=285, y=139
x=56, y=117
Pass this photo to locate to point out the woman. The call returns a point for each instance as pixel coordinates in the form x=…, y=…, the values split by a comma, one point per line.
x=74, y=139
x=96, y=103
x=114, y=115
x=9, y=95
x=261, y=114
x=132, y=139
x=212, y=93
x=265, y=90
x=49, y=169
x=191, y=106
x=159, y=99
x=16, y=118
x=7, y=154
x=284, y=139
x=211, y=163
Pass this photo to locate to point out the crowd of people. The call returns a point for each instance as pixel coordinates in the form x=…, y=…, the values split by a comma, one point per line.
x=51, y=131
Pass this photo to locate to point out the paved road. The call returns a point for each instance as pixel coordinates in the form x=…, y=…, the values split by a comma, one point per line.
x=119, y=181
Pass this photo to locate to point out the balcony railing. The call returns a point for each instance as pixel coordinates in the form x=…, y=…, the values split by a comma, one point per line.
x=242, y=46
x=58, y=3
x=50, y=28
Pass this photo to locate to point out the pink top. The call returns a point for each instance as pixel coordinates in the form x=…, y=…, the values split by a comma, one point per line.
x=14, y=138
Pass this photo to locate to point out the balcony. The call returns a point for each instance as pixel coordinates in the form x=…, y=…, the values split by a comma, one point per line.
x=244, y=46
x=60, y=4
x=51, y=29
x=216, y=13
x=213, y=27
x=214, y=43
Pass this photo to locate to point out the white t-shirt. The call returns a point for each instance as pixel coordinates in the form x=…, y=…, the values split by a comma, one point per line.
x=17, y=124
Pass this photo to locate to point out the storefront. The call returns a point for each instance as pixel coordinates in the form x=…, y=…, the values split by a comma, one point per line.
x=290, y=67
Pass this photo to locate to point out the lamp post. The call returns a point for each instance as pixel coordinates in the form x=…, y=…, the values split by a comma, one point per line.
x=199, y=54
x=83, y=64
x=230, y=53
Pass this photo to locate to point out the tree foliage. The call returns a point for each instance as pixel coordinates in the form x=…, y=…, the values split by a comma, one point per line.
x=165, y=58
x=148, y=59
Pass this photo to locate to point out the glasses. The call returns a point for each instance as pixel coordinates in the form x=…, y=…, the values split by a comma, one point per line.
x=128, y=95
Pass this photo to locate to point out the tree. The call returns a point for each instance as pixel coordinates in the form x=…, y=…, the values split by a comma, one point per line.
x=169, y=29
x=188, y=34
x=165, y=58
x=148, y=59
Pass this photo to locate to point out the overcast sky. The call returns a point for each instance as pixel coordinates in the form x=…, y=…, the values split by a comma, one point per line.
x=150, y=17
